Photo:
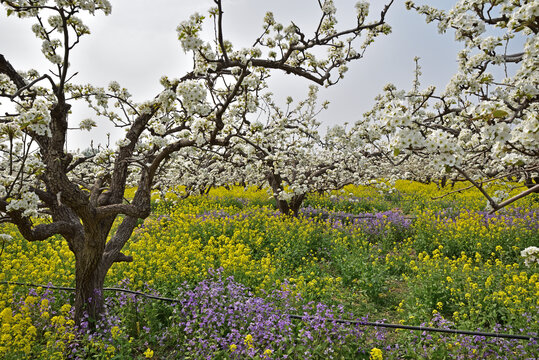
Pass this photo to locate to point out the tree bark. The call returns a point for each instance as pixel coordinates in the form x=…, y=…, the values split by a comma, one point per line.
x=282, y=206
x=295, y=204
x=89, y=290
x=290, y=207
x=90, y=276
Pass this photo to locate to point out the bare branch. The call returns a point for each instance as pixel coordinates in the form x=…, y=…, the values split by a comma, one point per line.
x=531, y=190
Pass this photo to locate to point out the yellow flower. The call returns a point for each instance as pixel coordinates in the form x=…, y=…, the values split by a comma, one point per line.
x=148, y=354
x=115, y=332
x=65, y=309
x=44, y=304
x=248, y=341
x=267, y=353
x=6, y=315
x=31, y=331
x=110, y=350
x=376, y=354
x=30, y=300
x=233, y=347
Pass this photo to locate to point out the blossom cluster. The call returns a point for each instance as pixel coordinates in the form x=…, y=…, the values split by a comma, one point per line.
x=530, y=255
x=484, y=122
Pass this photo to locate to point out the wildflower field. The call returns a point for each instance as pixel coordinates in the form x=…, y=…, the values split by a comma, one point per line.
x=233, y=270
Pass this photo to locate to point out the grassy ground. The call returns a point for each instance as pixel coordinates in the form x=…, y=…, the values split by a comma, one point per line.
x=405, y=256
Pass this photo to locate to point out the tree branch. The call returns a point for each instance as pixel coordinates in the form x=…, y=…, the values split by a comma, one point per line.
x=531, y=190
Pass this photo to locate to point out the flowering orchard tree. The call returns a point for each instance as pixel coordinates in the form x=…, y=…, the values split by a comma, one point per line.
x=288, y=154
x=485, y=123
x=79, y=197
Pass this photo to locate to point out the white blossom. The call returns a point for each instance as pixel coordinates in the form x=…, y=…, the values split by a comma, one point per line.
x=530, y=255
x=87, y=124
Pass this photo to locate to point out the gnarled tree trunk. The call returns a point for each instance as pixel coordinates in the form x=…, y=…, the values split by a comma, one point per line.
x=290, y=207
x=89, y=278
x=97, y=255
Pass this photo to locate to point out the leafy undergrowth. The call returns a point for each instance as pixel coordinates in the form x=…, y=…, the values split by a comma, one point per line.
x=238, y=269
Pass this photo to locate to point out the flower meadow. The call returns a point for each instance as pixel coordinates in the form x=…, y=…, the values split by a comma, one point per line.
x=233, y=270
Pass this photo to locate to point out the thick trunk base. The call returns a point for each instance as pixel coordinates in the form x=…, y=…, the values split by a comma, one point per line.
x=88, y=293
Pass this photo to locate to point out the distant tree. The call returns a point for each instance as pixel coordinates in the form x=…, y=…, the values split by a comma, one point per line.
x=80, y=196
x=287, y=153
x=195, y=171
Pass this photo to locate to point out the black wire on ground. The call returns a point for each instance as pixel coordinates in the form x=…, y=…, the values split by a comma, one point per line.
x=422, y=328
x=65, y=288
x=299, y=317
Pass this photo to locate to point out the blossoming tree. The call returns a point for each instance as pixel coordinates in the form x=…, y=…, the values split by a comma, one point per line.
x=287, y=153
x=485, y=123
x=79, y=197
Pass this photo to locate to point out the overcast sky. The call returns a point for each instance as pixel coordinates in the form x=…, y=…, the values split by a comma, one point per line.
x=137, y=44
